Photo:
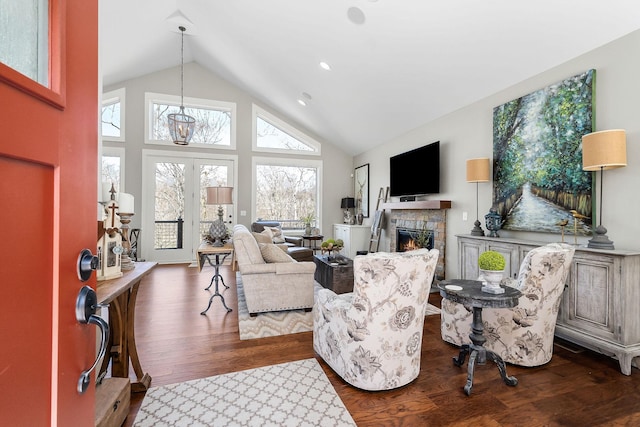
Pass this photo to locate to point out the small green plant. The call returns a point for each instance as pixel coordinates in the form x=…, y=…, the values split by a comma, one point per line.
x=308, y=218
x=491, y=260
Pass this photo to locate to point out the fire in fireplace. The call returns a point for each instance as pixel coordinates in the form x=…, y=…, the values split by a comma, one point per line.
x=408, y=239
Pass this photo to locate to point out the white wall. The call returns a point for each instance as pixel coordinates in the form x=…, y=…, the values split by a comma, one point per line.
x=200, y=83
x=467, y=133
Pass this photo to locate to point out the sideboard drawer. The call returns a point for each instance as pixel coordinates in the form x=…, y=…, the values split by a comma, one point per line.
x=113, y=398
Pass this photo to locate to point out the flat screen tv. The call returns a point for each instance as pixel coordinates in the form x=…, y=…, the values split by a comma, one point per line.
x=416, y=172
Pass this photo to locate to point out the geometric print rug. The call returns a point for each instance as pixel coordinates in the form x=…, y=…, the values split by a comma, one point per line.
x=274, y=323
x=288, y=394
x=270, y=324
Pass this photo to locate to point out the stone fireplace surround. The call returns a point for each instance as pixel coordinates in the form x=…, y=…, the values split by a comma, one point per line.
x=414, y=215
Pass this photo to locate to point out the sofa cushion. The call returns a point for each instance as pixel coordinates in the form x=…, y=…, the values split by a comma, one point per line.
x=262, y=237
x=273, y=253
x=276, y=234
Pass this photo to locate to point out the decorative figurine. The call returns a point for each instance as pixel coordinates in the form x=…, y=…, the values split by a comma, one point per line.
x=109, y=243
x=493, y=222
x=576, y=216
x=562, y=225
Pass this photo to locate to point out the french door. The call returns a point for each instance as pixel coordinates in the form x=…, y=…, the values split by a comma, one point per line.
x=175, y=214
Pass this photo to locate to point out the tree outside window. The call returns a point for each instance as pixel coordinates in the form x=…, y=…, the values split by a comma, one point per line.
x=286, y=193
x=213, y=127
x=111, y=170
x=111, y=119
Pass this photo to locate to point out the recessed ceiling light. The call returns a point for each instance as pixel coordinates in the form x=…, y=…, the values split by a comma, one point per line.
x=301, y=102
x=325, y=66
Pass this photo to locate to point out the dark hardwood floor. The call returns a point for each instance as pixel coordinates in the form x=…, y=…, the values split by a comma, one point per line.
x=176, y=343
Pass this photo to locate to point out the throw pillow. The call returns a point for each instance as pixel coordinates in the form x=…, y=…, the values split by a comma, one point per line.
x=272, y=253
x=276, y=234
x=261, y=237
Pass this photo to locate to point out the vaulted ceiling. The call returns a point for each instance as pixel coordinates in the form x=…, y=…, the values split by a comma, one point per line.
x=395, y=64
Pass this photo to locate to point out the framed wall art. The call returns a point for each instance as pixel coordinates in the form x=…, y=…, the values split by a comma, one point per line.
x=361, y=179
x=538, y=181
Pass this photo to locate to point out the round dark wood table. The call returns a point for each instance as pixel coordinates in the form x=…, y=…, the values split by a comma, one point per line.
x=469, y=293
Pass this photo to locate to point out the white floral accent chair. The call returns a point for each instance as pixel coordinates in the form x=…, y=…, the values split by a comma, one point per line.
x=522, y=335
x=372, y=337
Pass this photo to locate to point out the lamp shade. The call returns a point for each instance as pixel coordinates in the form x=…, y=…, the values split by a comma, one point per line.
x=606, y=149
x=219, y=195
x=478, y=170
x=348, y=202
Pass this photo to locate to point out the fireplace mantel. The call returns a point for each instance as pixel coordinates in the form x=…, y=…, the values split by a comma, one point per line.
x=421, y=204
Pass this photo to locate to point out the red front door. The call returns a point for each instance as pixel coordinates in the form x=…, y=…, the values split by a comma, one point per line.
x=48, y=212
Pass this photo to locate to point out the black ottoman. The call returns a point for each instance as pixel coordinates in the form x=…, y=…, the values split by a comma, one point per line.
x=300, y=253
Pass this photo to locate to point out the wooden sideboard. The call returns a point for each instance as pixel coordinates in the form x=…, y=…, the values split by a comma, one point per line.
x=599, y=308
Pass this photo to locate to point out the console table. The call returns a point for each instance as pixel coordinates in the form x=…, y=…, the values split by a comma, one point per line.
x=205, y=251
x=599, y=307
x=121, y=294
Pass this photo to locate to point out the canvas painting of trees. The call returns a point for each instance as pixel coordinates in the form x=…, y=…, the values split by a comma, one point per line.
x=538, y=181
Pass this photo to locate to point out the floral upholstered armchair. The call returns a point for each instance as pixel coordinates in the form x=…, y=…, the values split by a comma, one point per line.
x=372, y=337
x=522, y=335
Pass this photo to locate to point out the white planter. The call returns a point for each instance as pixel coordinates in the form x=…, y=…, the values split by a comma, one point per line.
x=491, y=281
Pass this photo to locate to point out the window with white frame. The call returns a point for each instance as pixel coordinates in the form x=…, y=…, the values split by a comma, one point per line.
x=286, y=190
x=271, y=134
x=113, y=115
x=112, y=170
x=215, y=120
x=24, y=38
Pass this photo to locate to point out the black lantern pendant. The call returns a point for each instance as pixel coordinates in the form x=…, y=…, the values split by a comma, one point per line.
x=181, y=126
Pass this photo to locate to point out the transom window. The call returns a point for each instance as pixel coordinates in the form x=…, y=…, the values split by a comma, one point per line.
x=270, y=134
x=113, y=115
x=215, y=120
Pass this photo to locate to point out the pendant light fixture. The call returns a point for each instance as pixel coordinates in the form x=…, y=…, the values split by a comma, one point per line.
x=181, y=126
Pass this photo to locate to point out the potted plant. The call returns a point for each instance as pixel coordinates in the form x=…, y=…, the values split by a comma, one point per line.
x=307, y=220
x=491, y=264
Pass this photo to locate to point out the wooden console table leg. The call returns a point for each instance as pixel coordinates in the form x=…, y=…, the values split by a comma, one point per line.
x=118, y=350
x=144, y=380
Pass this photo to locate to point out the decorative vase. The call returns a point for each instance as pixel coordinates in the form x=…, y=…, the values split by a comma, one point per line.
x=307, y=230
x=493, y=221
x=491, y=281
x=360, y=218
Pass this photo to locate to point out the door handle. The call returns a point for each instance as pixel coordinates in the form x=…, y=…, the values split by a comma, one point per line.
x=86, y=306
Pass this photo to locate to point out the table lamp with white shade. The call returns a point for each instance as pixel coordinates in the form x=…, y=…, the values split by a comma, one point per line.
x=219, y=196
x=603, y=150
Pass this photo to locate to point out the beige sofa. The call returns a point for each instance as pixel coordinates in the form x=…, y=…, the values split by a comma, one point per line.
x=271, y=286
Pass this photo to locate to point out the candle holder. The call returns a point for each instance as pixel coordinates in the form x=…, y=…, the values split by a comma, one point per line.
x=125, y=260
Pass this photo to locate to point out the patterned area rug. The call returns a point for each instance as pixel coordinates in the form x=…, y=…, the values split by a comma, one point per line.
x=290, y=394
x=273, y=323
x=279, y=322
